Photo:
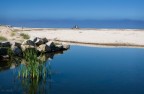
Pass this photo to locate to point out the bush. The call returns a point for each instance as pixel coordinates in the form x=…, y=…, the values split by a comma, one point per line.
x=13, y=34
x=2, y=38
x=25, y=36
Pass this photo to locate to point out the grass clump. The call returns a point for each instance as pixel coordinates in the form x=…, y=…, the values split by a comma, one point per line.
x=3, y=38
x=34, y=68
x=13, y=34
x=25, y=36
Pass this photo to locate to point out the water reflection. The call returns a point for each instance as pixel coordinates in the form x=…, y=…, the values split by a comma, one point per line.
x=6, y=64
x=28, y=85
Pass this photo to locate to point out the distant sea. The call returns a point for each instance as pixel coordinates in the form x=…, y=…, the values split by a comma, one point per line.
x=100, y=24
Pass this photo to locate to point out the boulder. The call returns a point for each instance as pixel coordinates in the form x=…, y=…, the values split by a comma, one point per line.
x=28, y=42
x=51, y=44
x=38, y=41
x=33, y=39
x=60, y=47
x=3, y=51
x=45, y=40
x=66, y=47
x=16, y=44
x=5, y=44
x=44, y=48
x=17, y=51
x=24, y=47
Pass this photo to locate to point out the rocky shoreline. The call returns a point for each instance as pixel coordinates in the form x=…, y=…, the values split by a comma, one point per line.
x=41, y=45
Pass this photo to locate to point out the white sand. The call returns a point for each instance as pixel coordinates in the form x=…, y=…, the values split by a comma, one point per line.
x=100, y=36
x=108, y=37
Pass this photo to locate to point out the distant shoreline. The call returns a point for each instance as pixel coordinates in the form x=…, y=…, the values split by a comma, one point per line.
x=69, y=23
x=31, y=28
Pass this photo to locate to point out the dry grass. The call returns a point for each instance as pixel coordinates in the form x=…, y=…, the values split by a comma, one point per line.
x=25, y=36
x=13, y=34
x=3, y=38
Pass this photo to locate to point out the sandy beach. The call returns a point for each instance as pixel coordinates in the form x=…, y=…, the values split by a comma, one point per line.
x=103, y=37
x=107, y=37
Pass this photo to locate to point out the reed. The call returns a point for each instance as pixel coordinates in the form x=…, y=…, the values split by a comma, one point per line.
x=34, y=68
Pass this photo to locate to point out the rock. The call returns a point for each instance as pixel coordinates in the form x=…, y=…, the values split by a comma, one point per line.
x=28, y=42
x=24, y=47
x=51, y=44
x=45, y=40
x=33, y=39
x=44, y=48
x=16, y=44
x=17, y=51
x=5, y=44
x=39, y=41
x=3, y=51
x=66, y=47
x=3, y=58
x=60, y=47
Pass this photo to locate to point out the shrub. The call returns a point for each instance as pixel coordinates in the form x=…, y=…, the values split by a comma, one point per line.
x=2, y=38
x=13, y=34
x=25, y=36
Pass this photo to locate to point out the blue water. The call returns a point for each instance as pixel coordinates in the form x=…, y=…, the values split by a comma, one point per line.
x=87, y=70
x=118, y=24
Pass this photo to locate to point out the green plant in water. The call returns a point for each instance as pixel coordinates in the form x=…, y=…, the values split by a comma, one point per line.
x=10, y=53
x=34, y=68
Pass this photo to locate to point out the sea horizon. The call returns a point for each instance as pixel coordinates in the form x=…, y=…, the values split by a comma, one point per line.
x=69, y=23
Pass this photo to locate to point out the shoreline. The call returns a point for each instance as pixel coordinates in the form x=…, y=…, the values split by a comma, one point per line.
x=87, y=36
x=35, y=28
x=103, y=44
x=103, y=37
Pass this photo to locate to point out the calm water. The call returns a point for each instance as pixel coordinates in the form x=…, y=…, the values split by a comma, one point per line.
x=120, y=24
x=85, y=70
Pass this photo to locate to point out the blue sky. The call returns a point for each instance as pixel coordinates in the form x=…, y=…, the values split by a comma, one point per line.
x=72, y=9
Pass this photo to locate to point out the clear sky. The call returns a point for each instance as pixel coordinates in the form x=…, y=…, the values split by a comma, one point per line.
x=72, y=9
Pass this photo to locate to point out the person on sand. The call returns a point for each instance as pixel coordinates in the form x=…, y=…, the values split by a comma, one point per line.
x=75, y=27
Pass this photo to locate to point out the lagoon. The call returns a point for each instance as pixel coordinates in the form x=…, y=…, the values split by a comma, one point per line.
x=84, y=70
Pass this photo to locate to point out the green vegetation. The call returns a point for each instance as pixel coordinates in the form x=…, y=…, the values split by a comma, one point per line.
x=13, y=34
x=25, y=36
x=3, y=38
x=10, y=53
x=34, y=68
